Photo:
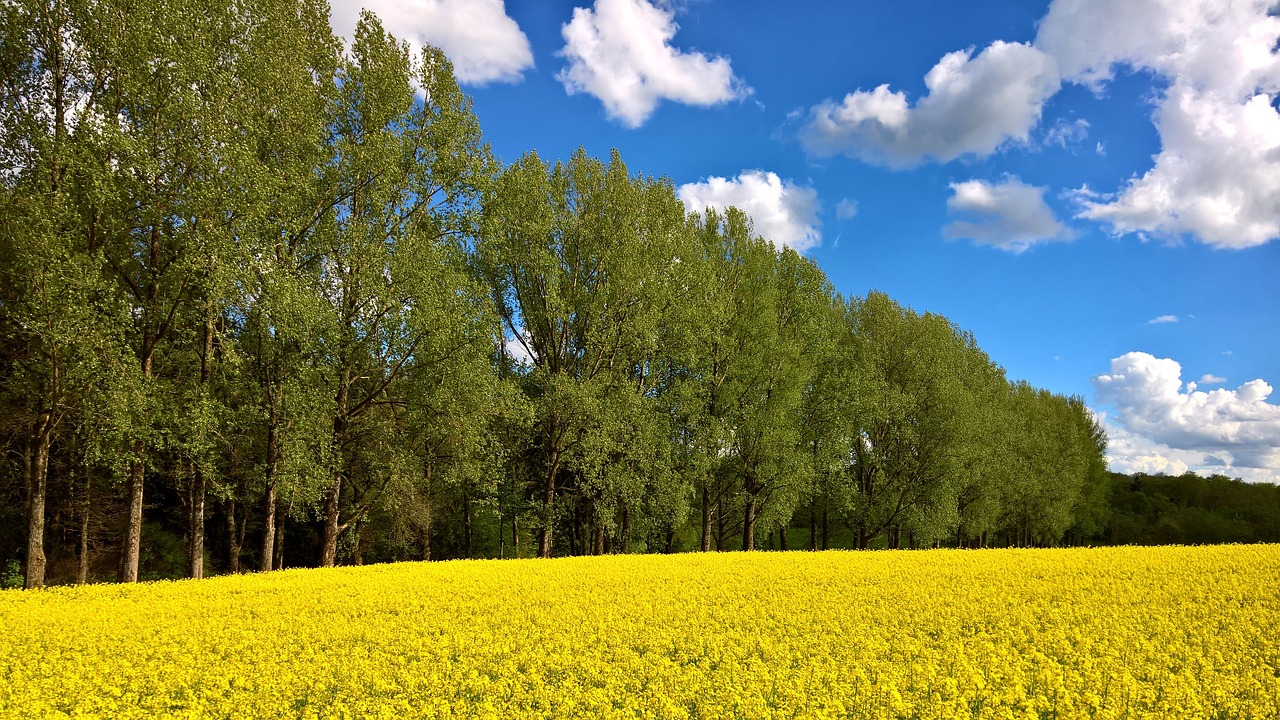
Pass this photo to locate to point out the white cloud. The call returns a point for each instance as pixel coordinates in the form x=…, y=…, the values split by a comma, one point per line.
x=483, y=43
x=519, y=351
x=783, y=212
x=1065, y=134
x=1237, y=428
x=1217, y=176
x=846, y=209
x=1211, y=379
x=1009, y=215
x=620, y=52
x=974, y=105
x=1129, y=453
x=1163, y=319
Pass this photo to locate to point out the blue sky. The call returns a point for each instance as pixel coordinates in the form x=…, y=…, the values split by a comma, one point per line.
x=1091, y=187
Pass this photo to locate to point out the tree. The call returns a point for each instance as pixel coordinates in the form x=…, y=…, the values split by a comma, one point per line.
x=577, y=256
x=409, y=172
x=911, y=415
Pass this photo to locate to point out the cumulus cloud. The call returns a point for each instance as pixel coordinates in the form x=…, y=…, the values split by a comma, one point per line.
x=783, y=212
x=1211, y=379
x=1216, y=178
x=974, y=105
x=484, y=44
x=1163, y=319
x=846, y=209
x=621, y=53
x=1009, y=215
x=1217, y=175
x=1237, y=427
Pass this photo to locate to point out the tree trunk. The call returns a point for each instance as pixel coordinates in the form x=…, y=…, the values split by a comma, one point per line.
x=37, y=462
x=749, y=525
x=826, y=528
x=548, y=497
x=278, y=563
x=706, y=519
x=468, y=531
x=426, y=545
x=329, y=554
x=82, y=571
x=720, y=531
x=268, y=527
x=626, y=529
x=782, y=537
x=515, y=534
x=597, y=544
x=233, y=539
x=813, y=528
x=357, y=549
x=133, y=530
x=195, y=525
x=269, y=497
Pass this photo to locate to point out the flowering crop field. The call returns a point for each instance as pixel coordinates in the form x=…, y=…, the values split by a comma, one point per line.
x=1089, y=633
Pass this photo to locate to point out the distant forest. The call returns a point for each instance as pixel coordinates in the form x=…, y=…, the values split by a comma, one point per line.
x=267, y=302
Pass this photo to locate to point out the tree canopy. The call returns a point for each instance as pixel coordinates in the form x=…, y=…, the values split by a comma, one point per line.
x=271, y=301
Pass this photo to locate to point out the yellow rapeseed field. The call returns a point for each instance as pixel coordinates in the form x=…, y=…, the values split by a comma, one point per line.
x=1102, y=633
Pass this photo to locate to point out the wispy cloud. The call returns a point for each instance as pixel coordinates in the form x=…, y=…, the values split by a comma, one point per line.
x=1163, y=319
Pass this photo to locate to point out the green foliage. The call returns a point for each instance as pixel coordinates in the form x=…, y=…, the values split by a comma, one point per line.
x=276, y=284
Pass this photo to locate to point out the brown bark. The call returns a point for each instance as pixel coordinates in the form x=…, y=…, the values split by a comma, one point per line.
x=468, y=529
x=133, y=529
x=706, y=519
x=749, y=525
x=826, y=528
x=269, y=528
x=626, y=529
x=329, y=554
x=597, y=544
x=196, y=521
x=269, y=500
x=278, y=563
x=37, y=471
x=515, y=534
x=233, y=539
x=548, y=498
x=82, y=569
x=195, y=530
x=782, y=538
x=133, y=532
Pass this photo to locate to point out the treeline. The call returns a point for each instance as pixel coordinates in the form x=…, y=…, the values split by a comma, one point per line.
x=265, y=301
x=1189, y=509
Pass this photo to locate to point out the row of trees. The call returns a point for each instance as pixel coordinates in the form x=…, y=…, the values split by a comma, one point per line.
x=253, y=282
